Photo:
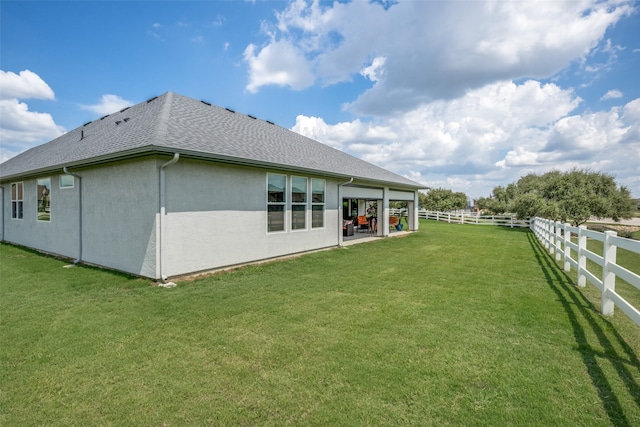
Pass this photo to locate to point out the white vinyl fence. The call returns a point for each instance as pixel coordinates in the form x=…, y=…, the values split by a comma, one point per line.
x=474, y=218
x=557, y=239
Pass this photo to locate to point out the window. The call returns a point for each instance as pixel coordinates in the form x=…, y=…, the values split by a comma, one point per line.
x=66, y=181
x=317, y=203
x=16, y=200
x=276, y=201
x=298, y=203
x=44, y=199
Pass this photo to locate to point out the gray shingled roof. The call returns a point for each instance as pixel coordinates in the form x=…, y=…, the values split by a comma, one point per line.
x=175, y=123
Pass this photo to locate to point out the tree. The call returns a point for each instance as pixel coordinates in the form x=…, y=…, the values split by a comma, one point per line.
x=443, y=200
x=496, y=204
x=573, y=196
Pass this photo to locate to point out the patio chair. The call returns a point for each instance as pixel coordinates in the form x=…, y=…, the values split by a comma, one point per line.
x=363, y=222
x=393, y=221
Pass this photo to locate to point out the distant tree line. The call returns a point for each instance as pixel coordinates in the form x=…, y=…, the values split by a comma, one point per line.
x=443, y=200
x=573, y=196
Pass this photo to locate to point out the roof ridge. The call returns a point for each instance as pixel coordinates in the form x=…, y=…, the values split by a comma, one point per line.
x=162, y=127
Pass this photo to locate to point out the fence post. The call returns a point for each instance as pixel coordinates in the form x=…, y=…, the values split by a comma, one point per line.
x=582, y=258
x=558, y=240
x=546, y=234
x=462, y=218
x=449, y=217
x=608, y=277
x=511, y=221
x=552, y=237
x=567, y=249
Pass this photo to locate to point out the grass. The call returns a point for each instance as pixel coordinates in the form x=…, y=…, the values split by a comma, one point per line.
x=454, y=325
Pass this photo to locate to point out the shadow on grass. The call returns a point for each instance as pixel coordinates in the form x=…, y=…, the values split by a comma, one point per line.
x=582, y=312
x=120, y=275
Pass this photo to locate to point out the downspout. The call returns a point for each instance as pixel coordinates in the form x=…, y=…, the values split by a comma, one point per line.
x=176, y=157
x=66, y=171
x=340, y=237
x=3, y=212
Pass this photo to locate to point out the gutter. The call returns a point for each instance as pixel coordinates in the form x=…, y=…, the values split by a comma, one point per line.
x=66, y=171
x=340, y=236
x=162, y=211
x=160, y=150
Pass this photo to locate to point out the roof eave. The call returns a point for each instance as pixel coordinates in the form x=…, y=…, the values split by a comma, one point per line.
x=279, y=166
x=154, y=149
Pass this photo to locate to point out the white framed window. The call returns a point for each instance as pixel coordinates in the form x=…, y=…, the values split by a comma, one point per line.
x=17, y=200
x=317, y=202
x=276, y=202
x=66, y=181
x=299, y=190
x=44, y=199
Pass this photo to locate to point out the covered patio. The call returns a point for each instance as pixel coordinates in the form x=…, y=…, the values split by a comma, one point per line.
x=369, y=237
x=366, y=214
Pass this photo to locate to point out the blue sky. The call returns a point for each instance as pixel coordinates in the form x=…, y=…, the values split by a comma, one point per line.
x=464, y=95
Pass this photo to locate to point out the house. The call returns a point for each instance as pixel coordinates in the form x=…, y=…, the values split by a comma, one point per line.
x=174, y=185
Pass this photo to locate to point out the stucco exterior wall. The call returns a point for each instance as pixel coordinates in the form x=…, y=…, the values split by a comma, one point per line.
x=119, y=205
x=120, y=202
x=216, y=217
x=57, y=236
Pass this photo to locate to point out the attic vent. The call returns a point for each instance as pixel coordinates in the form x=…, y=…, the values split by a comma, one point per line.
x=251, y=116
x=206, y=103
x=149, y=100
x=230, y=110
x=270, y=122
x=118, y=122
x=124, y=109
x=126, y=119
x=88, y=123
x=81, y=134
x=104, y=117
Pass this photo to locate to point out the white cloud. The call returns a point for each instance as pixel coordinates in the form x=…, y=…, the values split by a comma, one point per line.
x=432, y=50
x=280, y=63
x=108, y=104
x=20, y=128
x=375, y=71
x=343, y=136
x=492, y=136
x=24, y=85
x=446, y=109
x=612, y=94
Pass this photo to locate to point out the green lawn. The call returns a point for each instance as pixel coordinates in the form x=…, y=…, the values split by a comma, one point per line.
x=454, y=325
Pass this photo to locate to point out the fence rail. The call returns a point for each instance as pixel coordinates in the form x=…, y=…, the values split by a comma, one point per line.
x=474, y=218
x=558, y=238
